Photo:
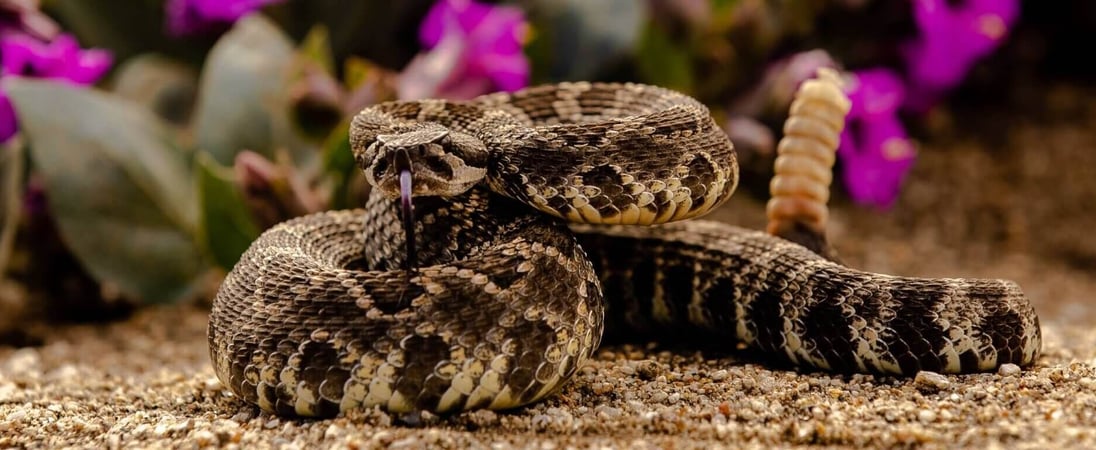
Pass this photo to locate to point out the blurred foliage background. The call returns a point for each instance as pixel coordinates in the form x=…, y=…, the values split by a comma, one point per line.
x=148, y=142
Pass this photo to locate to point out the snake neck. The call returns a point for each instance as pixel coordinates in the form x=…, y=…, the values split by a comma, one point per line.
x=447, y=229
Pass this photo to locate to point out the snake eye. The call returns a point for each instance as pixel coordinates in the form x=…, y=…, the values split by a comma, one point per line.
x=439, y=166
x=380, y=167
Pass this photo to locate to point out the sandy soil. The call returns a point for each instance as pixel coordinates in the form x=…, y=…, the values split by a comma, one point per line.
x=1012, y=199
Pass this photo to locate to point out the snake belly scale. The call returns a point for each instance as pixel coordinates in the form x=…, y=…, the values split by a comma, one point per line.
x=507, y=302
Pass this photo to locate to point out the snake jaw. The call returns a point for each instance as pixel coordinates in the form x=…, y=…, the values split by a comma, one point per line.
x=407, y=209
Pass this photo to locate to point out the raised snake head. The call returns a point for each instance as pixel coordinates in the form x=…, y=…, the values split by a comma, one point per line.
x=441, y=162
x=423, y=159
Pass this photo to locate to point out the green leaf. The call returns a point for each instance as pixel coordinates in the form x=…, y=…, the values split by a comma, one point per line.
x=227, y=227
x=339, y=164
x=316, y=47
x=242, y=100
x=356, y=71
x=581, y=39
x=165, y=86
x=120, y=190
x=664, y=62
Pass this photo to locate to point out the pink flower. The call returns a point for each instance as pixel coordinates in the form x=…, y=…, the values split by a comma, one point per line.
x=185, y=17
x=875, y=152
x=951, y=39
x=474, y=49
x=61, y=60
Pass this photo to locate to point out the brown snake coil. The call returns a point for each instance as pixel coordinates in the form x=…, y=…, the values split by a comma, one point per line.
x=505, y=305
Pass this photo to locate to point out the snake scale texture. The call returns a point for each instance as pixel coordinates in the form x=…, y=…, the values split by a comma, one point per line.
x=505, y=301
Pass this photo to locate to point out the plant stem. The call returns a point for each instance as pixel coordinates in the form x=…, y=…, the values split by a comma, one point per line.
x=13, y=200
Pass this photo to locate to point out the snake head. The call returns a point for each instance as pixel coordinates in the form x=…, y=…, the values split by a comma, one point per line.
x=442, y=162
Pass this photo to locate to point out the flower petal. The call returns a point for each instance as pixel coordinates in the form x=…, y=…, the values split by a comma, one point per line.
x=8, y=125
x=185, y=17
x=876, y=155
x=475, y=48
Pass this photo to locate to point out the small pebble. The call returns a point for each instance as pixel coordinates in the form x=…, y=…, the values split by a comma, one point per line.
x=1087, y=383
x=484, y=417
x=927, y=381
x=1007, y=370
x=648, y=370
x=333, y=431
x=607, y=412
x=926, y=416
x=243, y=416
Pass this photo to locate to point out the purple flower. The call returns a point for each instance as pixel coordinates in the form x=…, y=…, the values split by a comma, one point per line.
x=474, y=49
x=60, y=60
x=951, y=39
x=185, y=17
x=875, y=152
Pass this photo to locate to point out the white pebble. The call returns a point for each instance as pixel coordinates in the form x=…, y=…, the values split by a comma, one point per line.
x=1008, y=370
x=333, y=431
x=926, y=416
x=930, y=381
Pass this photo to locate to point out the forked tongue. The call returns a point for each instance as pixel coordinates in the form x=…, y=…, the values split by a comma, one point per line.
x=403, y=164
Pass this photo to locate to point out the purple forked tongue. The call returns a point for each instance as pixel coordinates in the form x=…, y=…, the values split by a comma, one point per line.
x=403, y=163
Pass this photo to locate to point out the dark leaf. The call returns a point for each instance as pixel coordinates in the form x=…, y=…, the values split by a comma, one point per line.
x=162, y=85
x=119, y=189
x=664, y=62
x=227, y=228
x=579, y=39
x=243, y=94
x=339, y=165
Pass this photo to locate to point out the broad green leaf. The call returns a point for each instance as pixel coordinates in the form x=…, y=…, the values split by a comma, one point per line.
x=165, y=86
x=316, y=47
x=120, y=190
x=227, y=228
x=581, y=39
x=663, y=62
x=356, y=71
x=339, y=164
x=242, y=100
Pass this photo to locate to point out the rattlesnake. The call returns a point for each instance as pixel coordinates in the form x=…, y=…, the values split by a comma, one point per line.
x=503, y=304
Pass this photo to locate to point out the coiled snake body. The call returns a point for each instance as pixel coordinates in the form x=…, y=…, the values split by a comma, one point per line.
x=504, y=304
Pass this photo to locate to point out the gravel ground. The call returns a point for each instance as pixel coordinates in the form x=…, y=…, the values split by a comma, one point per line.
x=988, y=206
x=147, y=383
